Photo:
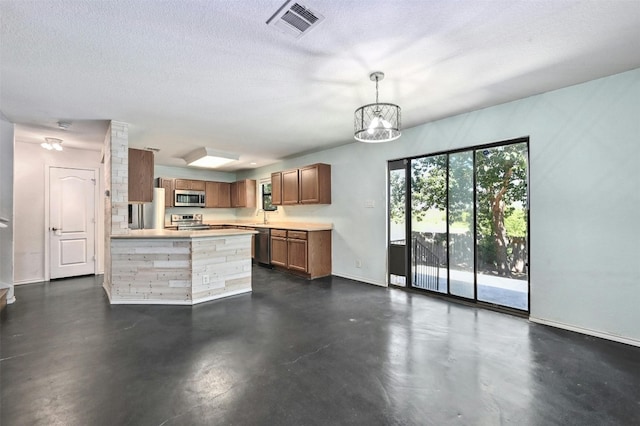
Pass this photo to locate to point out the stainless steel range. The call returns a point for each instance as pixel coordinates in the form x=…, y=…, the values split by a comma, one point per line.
x=188, y=221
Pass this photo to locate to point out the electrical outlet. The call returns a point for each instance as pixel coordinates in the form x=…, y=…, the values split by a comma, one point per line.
x=205, y=279
x=358, y=263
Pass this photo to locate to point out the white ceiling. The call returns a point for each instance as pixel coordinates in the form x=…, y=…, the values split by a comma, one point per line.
x=186, y=74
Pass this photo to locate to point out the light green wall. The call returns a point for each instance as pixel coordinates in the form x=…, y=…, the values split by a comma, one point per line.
x=585, y=195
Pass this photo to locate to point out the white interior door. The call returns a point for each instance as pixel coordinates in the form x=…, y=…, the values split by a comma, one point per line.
x=72, y=219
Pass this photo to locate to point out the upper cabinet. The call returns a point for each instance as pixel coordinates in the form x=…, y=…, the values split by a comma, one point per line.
x=140, y=176
x=315, y=184
x=218, y=194
x=243, y=193
x=190, y=184
x=290, y=184
x=276, y=188
x=169, y=186
x=306, y=185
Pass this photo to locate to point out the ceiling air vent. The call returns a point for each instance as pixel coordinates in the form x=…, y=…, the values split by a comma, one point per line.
x=295, y=19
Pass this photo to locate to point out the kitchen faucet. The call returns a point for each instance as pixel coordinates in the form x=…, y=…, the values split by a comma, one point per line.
x=265, y=215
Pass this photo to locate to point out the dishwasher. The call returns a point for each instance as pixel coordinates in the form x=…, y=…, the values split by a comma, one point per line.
x=263, y=246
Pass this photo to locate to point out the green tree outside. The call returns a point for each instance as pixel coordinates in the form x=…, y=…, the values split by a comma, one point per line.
x=501, y=195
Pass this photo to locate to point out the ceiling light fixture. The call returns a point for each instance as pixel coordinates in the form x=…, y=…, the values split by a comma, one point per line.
x=209, y=158
x=379, y=122
x=52, y=144
x=64, y=125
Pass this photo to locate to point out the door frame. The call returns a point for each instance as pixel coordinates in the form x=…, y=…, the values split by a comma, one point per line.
x=408, y=277
x=96, y=206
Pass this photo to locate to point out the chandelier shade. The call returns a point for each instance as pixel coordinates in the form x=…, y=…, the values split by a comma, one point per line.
x=378, y=122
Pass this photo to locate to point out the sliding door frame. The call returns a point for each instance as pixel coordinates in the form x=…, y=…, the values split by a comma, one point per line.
x=408, y=228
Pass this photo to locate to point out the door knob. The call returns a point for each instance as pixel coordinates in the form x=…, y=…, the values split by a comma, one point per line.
x=55, y=229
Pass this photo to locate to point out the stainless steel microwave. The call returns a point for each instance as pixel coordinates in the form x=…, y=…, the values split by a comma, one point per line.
x=185, y=198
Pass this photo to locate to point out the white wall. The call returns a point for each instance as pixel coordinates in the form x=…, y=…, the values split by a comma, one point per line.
x=30, y=232
x=585, y=195
x=6, y=205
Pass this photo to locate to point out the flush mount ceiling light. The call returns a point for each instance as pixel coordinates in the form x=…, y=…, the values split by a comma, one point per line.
x=209, y=158
x=52, y=143
x=379, y=122
x=64, y=125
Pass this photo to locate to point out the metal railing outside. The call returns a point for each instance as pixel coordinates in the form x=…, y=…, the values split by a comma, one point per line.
x=426, y=265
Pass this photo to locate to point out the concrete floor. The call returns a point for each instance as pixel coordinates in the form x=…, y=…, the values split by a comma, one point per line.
x=295, y=352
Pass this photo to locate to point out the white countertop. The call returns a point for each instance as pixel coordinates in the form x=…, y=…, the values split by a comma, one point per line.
x=294, y=226
x=168, y=233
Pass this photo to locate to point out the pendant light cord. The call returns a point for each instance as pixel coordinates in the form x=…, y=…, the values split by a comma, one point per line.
x=376, y=89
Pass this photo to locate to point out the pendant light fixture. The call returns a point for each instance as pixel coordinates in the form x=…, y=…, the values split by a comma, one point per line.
x=52, y=143
x=379, y=122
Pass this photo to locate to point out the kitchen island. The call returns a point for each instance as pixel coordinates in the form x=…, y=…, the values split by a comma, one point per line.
x=158, y=266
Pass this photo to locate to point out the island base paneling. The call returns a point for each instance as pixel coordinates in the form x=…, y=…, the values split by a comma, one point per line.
x=179, y=271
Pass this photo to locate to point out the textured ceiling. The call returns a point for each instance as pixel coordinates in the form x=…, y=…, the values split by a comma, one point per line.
x=186, y=74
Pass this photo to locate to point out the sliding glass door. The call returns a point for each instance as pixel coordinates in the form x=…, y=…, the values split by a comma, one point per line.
x=502, y=225
x=466, y=213
x=397, y=223
x=429, y=223
x=461, y=225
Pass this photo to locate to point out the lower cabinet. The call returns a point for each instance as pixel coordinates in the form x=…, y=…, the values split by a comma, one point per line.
x=297, y=254
x=306, y=253
x=279, y=247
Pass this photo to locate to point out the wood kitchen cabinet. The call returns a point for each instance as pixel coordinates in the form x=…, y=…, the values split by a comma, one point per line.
x=234, y=194
x=243, y=193
x=306, y=185
x=190, y=184
x=217, y=194
x=279, y=247
x=290, y=187
x=140, y=176
x=276, y=188
x=297, y=252
x=224, y=194
x=305, y=253
x=315, y=184
x=169, y=186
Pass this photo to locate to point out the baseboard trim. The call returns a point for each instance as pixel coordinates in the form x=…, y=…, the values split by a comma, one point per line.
x=587, y=331
x=40, y=280
x=178, y=302
x=362, y=280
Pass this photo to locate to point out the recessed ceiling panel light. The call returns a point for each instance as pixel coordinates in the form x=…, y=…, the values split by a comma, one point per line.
x=209, y=158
